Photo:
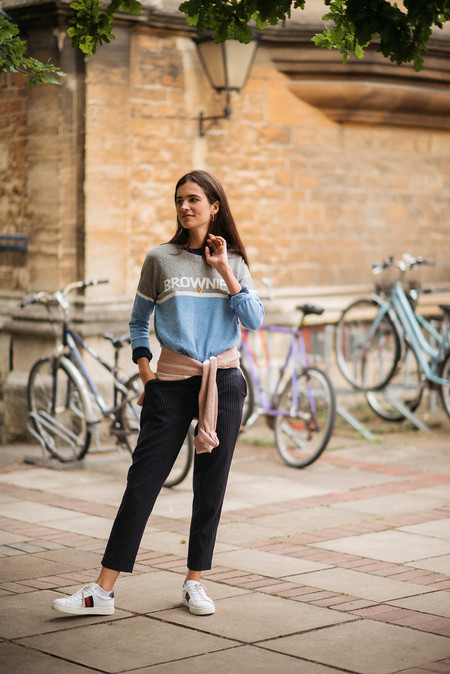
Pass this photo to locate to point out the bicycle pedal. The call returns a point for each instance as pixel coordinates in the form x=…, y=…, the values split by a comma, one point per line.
x=269, y=421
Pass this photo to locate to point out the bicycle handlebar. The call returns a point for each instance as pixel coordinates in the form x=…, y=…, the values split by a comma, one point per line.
x=59, y=296
x=405, y=264
x=82, y=284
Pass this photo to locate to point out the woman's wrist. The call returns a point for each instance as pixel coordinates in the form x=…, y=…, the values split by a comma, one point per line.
x=145, y=371
x=233, y=285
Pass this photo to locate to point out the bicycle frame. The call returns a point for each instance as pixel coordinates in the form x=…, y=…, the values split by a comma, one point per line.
x=296, y=351
x=437, y=336
x=399, y=306
x=70, y=341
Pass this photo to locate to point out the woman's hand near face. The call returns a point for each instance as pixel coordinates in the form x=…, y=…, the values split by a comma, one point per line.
x=219, y=261
x=219, y=256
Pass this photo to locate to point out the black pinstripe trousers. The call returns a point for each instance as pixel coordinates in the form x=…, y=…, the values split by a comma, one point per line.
x=168, y=409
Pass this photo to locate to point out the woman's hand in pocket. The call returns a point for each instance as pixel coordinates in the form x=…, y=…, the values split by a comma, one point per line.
x=140, y=400
x=146, y=375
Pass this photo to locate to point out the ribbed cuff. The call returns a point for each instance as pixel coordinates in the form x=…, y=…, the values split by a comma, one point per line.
x=141, y=352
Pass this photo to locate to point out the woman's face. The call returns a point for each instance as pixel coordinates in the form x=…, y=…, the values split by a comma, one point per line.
x=193, y=208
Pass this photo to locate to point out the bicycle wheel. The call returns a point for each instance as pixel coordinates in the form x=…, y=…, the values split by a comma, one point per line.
x=366, y=361
x=130, y=413
x=303, y=426
x=184, y=461
x=58, y=409
x=444, y=388
x=406, y=386
x=249, y=402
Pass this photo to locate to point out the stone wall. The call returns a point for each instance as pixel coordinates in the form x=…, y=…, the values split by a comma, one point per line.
x=88, y=169
x=13, y=175
x=317, y=201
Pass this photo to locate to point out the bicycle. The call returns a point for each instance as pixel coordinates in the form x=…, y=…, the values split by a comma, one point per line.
x=370, y=335
x=302, y=411
x=407, y=385
x=65, y=406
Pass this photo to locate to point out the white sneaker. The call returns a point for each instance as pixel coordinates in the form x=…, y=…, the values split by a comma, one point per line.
x=87, y=601
x=196, y=599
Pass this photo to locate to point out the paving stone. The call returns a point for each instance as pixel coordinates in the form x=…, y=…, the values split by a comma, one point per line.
x=329, y=499
x=248, y=659
x=132, y=643
x=48, y=479
x=29, y=566
x=266, y=563
x=27, y=547
x=15, y=658
x=6, y=537
x=365, y=647
x=15, y=588
x=437, y=603
x=7, y=498
x=160, y=590
x=271, y=489
x=9, y=551
x=86, y=525
x=390, y=546
x=240, y=533
x=361, y=585
x=175, y=505
x=394, y=504
x=438, y=528
x=75, y=561
x=439, y=564
x=110, y=494
x=31, y=613
x=30, y=511
x=311, y=519
x=261, y=624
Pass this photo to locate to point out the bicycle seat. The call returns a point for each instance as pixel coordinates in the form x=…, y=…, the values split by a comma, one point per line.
x=445, y=308
x=310, y=309
x=117, y=342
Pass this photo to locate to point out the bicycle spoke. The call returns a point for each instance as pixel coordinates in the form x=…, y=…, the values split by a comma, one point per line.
x=57, y=410
x=305, y=418
x=367, y=357
x=290, y=432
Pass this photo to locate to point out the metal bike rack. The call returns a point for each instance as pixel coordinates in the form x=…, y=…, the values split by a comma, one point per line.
x=45, y=460
x=404, y=410
x=48, y=461
x=341, y=409
x=348, y=416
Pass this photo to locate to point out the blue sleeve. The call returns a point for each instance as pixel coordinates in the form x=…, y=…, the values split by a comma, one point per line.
x=140, y=327
x=247, y=308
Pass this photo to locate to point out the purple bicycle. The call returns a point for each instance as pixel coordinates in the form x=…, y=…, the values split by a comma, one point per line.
x=301, y=407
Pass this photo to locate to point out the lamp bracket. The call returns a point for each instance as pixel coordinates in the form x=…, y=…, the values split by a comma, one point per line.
x=225, y=115
x=202, y=119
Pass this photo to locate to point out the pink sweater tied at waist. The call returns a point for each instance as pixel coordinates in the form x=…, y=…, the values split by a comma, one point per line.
x=172, y=366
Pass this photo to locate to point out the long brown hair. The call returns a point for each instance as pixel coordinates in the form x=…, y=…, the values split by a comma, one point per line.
x=223, y=223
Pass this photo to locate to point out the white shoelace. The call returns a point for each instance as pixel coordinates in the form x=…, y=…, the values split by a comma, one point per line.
x=198, y=591
x=82, y=593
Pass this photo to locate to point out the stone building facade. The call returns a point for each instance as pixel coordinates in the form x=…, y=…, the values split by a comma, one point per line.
x=328, y=168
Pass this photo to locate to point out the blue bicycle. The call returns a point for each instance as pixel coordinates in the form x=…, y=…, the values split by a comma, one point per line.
x=373, y=335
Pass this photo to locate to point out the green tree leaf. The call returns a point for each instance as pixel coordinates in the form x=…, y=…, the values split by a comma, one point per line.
x=13, y=57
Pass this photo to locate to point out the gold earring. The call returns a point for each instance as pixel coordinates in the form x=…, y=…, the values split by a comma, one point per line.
x=212, y=218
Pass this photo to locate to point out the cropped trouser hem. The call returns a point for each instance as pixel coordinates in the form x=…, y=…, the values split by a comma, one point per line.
x=168, y=410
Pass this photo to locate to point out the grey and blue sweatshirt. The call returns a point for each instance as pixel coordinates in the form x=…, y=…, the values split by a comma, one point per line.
x=198, y=324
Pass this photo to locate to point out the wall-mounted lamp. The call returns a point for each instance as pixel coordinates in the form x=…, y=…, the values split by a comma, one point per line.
x=227, y=66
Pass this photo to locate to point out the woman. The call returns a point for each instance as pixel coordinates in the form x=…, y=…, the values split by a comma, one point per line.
x=199, y=287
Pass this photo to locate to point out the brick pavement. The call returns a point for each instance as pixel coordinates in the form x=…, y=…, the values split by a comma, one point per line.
x=364, y=568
